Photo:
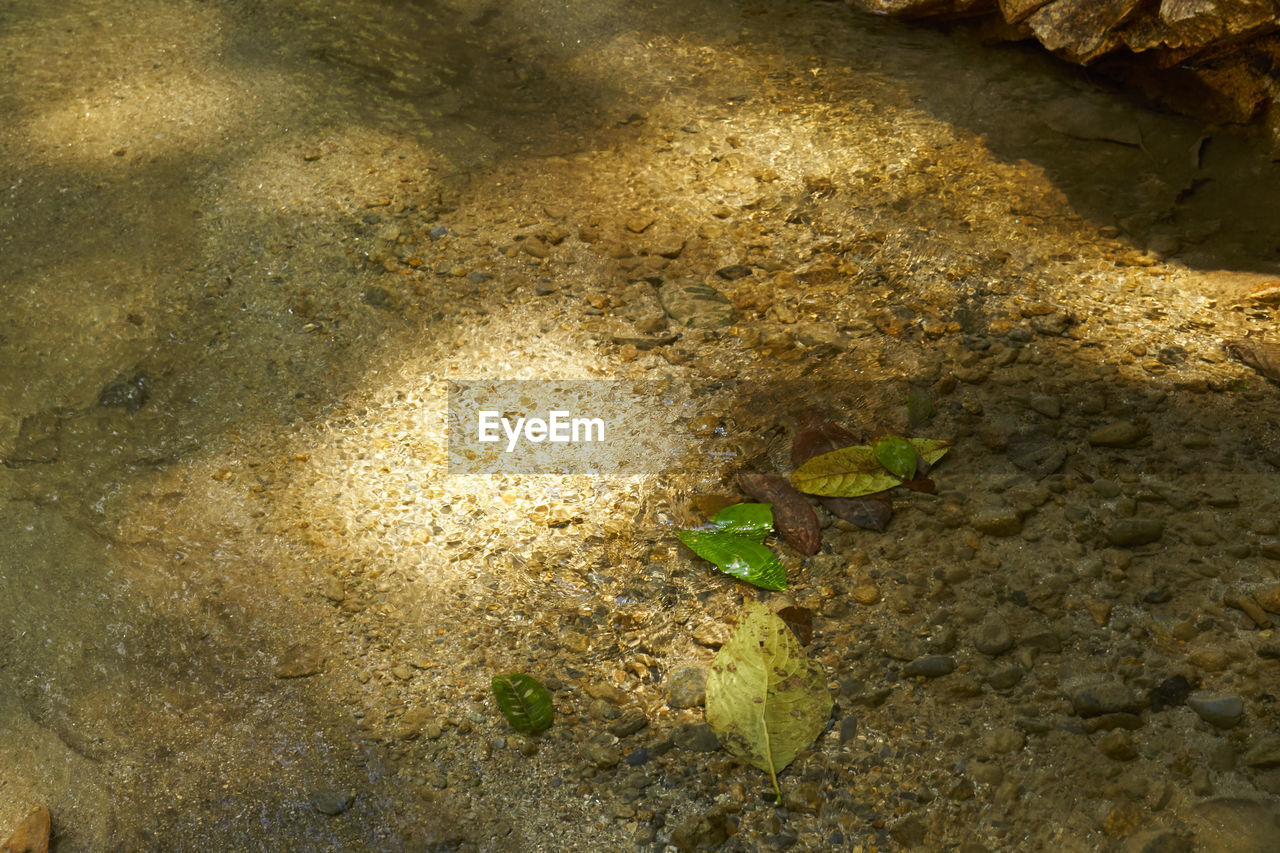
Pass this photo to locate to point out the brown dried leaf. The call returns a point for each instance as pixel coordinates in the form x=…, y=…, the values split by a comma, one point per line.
x=800, y=621
x=792, y=515
x=872, y=512
x=816, y=435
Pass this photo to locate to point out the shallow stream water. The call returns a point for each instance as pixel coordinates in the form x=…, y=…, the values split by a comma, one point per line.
x=244, y=245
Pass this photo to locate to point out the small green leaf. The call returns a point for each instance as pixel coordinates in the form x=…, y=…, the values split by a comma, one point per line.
x=919, y=406
x=851, y=472
x=752, y=521
x=524, y=702
x=739, y=556
x=897, y=455
x=766, y=700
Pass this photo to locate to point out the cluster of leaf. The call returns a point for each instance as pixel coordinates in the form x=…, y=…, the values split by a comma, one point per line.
x=734, y=541
x=858, y=470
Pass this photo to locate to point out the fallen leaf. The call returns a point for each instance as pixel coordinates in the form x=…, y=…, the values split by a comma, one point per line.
x=800, y=621
x=816, y=435
x=792, y=514
x=524, y=702
x=739, y=556
x=854, y=471
x=766, y=700
x=872, y=512
x=897, y=455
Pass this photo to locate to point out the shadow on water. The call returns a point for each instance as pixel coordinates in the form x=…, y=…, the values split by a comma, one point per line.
x=1189, y=190
x=159, y=263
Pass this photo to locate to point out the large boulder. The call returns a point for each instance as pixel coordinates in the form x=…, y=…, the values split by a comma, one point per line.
x=1217, y=59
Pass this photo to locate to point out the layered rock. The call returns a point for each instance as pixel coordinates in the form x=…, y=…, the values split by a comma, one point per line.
x=1218, y=59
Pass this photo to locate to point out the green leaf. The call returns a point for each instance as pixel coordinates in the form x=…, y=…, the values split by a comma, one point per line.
x=851, y=472
x=739, y=556
x=765, y=699
x=897, y=455
x=751, y=521
x=524, y=702
x=919, y=406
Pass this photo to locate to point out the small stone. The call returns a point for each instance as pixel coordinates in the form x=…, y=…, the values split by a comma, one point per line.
x=1216, y=709
x=599, y=755
x=1123, y=820
x=1005, y=677
x=1000, y=521
x=687, y=687
x=640, y=223
x=993, y=637
x=1264, y=753
x=629, y=722
x=335, y=590
x=1050, y=407
x=848, y=728
x=699, y=738
x=300, y=661
x=128, y=392
x=865, y=593
x=1002, y=741
x=1118, y=745
x=734, y=271
x=1107, y=697
x=413, y=722
x=930, y=666
x=1118, y=434
x=985, y=773
x=1210, y=658
x=1131, y=532
x=331, y=802
x=702, y=832
x=694, y=304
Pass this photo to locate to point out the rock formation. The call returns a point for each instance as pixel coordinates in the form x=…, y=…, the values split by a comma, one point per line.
x=1216, y=59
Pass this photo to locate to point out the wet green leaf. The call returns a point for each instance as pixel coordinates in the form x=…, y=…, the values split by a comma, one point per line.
x=897, y=455
x=851, y=472
x=739, y=556
x=766, y=700
x=524, y=702
x=752, y=521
